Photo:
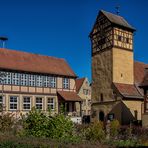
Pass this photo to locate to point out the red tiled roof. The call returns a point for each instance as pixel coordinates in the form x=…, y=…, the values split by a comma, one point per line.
x=69, y=96
x=79, y=83
x=139, y=71
x=23, y=61
x=145, y=80
x=128, y=90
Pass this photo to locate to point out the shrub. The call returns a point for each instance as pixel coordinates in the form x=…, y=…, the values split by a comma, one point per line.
x=125, y=143
x=59, y=127
x=95, y=132
x=6, y=122
x=114, y=128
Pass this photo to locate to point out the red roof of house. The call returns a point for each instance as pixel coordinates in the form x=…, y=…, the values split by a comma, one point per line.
x=69, y=96
x=79, y=83
x=139, y=71
x=145, y=80
x=128, y=90
x=28, y=62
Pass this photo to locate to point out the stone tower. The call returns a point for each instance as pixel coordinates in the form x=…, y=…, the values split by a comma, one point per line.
x=112, y=58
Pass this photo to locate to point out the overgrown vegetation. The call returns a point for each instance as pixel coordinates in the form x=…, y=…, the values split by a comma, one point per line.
x=43, y=130
x=58, y=127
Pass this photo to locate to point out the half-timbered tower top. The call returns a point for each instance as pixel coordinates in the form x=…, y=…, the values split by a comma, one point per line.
x=114, y=20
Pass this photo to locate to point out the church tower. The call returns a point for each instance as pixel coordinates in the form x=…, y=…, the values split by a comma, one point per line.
x=112, y=55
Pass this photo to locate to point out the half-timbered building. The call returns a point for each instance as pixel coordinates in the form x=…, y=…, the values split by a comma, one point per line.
x=115, y=75
x=31, y=80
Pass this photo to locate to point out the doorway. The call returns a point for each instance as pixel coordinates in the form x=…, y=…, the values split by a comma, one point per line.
x=101, y=116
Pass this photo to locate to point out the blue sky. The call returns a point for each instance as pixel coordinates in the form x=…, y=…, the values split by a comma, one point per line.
x=60, y=28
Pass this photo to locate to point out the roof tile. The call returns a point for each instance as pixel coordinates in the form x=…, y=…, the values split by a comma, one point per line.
x=128, y=90
x=79, y=83
x=69, y=96
x=23, y=61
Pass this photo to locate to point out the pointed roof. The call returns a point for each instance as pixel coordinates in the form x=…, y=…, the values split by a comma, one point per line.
x=117, y=20
x=28, y=62
x=79, y=83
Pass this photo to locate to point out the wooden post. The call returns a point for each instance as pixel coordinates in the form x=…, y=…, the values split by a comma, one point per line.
x=80, y=108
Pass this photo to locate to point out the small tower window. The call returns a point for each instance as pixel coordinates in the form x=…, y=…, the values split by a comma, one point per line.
x=127, y=40
x=121, y=75
x=119, y=38
x=101, y=97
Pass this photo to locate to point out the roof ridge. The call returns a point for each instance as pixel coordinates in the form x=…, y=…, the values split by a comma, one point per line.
x=111, y=13
x=25, y=52
x=140, y=62
x=25, y=61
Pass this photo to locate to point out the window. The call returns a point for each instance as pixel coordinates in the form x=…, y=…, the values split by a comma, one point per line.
x=111, y=116
x=8, y=78
x=39, y=103
x=52, y=82
x=127, y=40
x=50, y=103
x=26, y=103
x=16, y=78
x=13, y=102
x=101, y=97
x=31, y=80
x=119, y=38
x=39, y=81
x=3, y=77
x=24, y=79
x=46, y=81
x=65, y=83
x=85, y=91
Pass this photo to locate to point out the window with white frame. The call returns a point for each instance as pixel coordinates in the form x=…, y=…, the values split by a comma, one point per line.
x=39, y=103
x=32, y=80
x=50, y=103
x=16, y=78
x=13, y=102
x=3, y=77
x=85, y=91
x=39, y=81
x=46, y=81
x=26, y=103
x=8, y=78
x=65, y=83
x=24, y=79
x=52, y=82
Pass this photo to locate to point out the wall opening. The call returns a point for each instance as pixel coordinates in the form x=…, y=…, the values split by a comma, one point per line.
x=101, y=116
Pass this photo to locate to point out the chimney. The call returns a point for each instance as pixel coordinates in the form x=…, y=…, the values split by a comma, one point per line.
x=3, y=41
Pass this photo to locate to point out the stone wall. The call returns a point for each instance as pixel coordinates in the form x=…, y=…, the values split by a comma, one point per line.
x=102, y=76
